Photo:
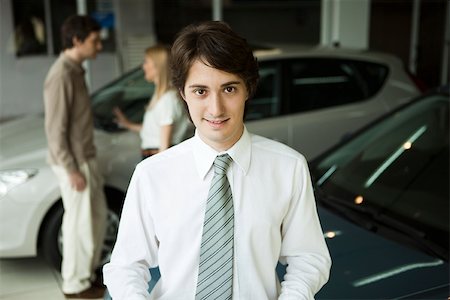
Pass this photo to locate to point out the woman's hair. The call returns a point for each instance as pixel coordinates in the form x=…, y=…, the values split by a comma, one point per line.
x=218, y=46
x=77, y=27
x=160, y=54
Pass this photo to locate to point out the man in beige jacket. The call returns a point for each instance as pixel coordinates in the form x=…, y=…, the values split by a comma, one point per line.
x=69, y=129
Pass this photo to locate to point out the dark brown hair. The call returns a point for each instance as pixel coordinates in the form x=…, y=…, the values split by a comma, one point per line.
x=218, y=46
x=79, y=27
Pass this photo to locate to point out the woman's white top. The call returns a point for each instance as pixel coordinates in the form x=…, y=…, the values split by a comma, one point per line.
x=167, y=111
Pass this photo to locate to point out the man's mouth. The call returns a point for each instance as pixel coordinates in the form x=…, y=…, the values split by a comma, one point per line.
x=216, y=123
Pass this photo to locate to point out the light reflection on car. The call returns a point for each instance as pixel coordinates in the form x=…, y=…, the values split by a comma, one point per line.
x=384, y=205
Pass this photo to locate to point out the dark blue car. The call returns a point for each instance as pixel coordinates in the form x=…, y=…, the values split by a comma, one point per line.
x=384, y=206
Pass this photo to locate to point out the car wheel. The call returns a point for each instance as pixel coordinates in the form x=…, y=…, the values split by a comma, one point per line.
x=51, y=234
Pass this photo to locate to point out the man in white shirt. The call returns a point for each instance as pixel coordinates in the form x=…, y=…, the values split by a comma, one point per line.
x=266, y=185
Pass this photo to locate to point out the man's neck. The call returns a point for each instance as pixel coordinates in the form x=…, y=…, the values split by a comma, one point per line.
x=74, y=55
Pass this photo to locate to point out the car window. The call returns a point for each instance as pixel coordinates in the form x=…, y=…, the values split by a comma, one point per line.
x=266, y=101
x=317, y=83
x=131, y=93
x=399, y=168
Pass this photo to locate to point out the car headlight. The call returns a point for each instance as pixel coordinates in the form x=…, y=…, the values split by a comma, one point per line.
x=11, y=178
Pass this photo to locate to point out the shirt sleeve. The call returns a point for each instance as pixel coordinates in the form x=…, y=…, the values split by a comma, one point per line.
x=127, y=274
x=169, y=109
x=58, y=97
x=303, y=247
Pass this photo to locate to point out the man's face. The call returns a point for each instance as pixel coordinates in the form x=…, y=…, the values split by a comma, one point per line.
x=90, y=46
x=216, y=102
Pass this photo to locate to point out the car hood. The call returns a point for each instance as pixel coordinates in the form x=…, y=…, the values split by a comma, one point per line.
x=22, y=140
x=366, y=265
x=23, y=144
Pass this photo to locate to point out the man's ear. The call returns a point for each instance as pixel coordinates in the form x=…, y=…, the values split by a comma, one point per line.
x=76, y=41
x=182, y=94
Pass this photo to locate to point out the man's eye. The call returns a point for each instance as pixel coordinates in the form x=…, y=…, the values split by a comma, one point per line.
x=230, y=89
x=199, y=92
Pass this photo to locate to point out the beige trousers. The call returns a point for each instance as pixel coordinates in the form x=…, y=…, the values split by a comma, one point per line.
x=83, y=227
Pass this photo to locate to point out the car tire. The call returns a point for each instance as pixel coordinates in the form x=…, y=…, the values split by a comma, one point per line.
x=50, y=244
x=49, y=236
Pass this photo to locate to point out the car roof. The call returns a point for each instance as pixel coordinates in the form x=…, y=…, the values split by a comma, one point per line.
x=289, y=51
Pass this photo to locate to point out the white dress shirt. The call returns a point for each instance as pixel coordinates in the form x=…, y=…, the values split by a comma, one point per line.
x=275, y=219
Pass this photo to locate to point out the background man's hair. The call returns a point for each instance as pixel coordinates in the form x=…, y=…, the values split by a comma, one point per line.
x=218, y=46
x=79, y=27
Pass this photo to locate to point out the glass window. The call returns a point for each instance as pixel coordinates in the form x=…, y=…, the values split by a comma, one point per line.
x=131, y=93
x=266, y=102
x=30, y=37
x=371, y=76
x=398, y=169
x=103, y=12
x=100, y=10
x=59, y=11
x=318, y=83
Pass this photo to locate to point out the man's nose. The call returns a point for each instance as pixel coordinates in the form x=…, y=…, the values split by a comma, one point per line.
x=215, y=105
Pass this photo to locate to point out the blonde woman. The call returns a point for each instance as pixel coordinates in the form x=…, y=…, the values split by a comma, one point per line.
x=165, y=120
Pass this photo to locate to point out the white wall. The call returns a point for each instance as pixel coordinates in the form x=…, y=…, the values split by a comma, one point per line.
x=345, y=22
x=135, y=30
x=21, y=79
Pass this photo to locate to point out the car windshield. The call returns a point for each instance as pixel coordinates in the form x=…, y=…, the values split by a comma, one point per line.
x=398, y=169
x=131, y=93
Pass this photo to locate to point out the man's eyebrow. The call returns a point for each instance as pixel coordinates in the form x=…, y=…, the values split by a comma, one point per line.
x=222, y=85
x=197, y=86
x=231, y=83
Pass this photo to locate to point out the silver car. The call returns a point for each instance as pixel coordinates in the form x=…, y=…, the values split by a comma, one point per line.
x=308, y=99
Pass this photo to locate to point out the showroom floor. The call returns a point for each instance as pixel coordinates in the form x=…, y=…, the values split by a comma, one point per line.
x=29, y=278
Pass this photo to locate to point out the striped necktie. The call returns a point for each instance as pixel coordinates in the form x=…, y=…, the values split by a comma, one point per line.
x=215, y=275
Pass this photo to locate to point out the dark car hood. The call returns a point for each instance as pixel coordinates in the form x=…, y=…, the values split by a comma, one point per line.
x=368, y=266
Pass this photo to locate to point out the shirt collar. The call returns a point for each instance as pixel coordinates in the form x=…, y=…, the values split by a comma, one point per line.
x=72, y=65
x=205, y=155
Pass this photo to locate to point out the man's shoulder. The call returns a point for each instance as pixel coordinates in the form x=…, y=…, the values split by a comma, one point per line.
x=60, y=70
x=268, y=146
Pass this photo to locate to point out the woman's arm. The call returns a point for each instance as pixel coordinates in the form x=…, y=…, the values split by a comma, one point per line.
x=123, y=121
